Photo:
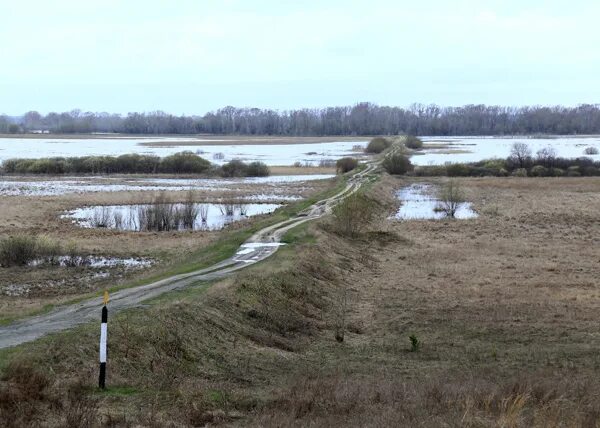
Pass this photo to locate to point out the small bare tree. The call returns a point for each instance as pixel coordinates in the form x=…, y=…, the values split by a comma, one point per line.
x=546, y=156
x=451, y=198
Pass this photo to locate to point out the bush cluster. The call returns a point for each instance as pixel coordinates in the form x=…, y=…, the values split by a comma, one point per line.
x=378, y=145
x=344, y=165
x=353, y=214
x=20, y=250
x=413, y=142
x=178, y=163
x=501, y=168
x=237, y=168
x=397, y=164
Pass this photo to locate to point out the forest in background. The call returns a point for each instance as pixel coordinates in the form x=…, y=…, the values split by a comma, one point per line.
x=360, y=119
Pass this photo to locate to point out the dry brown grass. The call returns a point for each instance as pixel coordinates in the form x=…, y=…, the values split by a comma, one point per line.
x=301, y=170
x=505, y=306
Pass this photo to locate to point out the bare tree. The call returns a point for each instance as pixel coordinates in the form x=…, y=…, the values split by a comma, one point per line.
x=451, y=198
x=520, y=154
x=546, y=156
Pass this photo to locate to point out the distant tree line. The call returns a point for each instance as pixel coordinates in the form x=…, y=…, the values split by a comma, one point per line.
x=360, y=119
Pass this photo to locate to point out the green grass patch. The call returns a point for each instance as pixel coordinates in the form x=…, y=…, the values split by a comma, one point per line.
x=299, y=235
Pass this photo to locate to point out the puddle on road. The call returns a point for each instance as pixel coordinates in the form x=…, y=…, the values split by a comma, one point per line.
x=418, y=203
x=251, y=247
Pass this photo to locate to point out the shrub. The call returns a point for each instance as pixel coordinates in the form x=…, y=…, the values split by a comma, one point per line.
x=451, y=197
x=413, y=142
x=557, y=172
x=344, y=165
x=457, y=170
x=415, y=344
x=377, y=145
x=397, y=164
x=234, y=168
x=591, y=171
x=497, y=164
x=17, y=250
x=539, y=171
x=184, y=163
x=353, y=214
x=257, y=169
x=20, y=250
x=430, y=171
x=591, y=151
x=520, y=172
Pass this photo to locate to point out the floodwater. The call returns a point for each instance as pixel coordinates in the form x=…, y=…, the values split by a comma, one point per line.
x=271, y=154
x=66, y=185
x=479, y=148
x=418, y=203
x=127, y=217
x=96, y=262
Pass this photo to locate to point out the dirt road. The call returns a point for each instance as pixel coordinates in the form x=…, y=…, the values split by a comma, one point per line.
x=258, y=247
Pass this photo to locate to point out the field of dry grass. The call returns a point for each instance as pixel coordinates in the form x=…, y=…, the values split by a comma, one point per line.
x=504, y=308
x=301, y=170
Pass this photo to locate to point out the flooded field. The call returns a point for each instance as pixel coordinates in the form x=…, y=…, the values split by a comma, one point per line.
x=26, y=186
x=154, y=217
x=271, y=154
x=473, y=149
x=419, y=203
x=94, y=262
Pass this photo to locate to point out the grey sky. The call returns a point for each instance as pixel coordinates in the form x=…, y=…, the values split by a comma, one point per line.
x=189, y=56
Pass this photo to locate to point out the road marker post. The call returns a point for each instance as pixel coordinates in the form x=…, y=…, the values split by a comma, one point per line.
x=103, y=337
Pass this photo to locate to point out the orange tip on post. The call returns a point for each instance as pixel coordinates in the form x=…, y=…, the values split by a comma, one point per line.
x=105, y=297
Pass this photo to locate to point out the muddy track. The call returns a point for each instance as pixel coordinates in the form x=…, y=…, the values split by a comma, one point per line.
x=261, y=245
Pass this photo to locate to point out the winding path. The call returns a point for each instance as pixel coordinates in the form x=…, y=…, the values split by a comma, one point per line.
x=258, y=247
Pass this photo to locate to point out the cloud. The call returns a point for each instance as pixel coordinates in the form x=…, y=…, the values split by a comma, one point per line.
x=379, y=48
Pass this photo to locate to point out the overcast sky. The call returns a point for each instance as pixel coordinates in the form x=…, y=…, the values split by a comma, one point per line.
x=192, y=56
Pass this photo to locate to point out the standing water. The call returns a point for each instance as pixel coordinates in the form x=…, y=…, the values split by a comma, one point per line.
x=419, y=204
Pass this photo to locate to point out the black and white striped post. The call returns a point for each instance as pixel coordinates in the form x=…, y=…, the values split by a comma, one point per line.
x=103, y=336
